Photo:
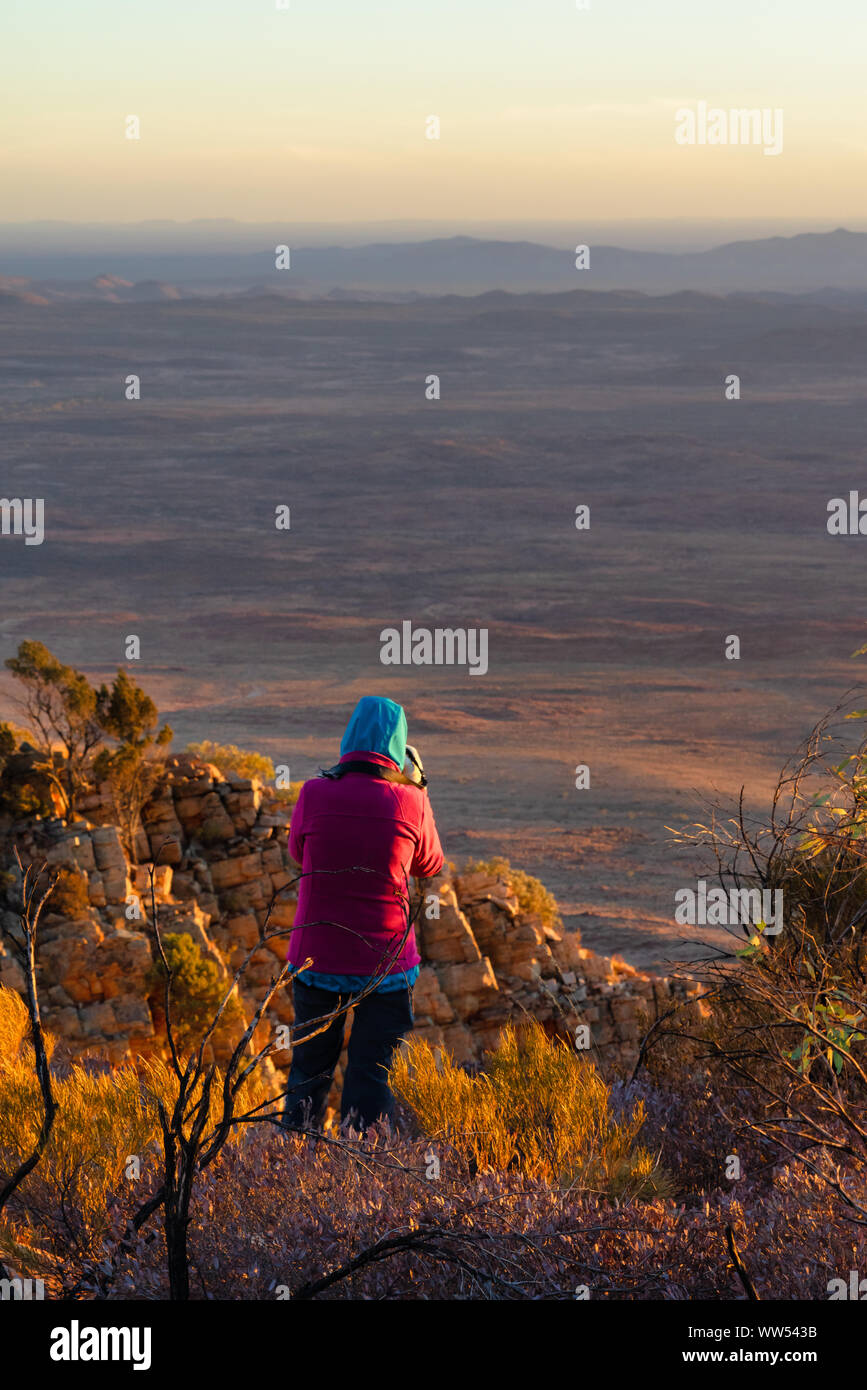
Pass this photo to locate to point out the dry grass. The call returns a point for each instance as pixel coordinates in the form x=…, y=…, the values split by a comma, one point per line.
x=538, y=1108
x=275, y=1213
x=104, y=1119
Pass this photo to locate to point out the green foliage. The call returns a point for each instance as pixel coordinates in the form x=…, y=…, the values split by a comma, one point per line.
x=833, y=1024
x=24, y=801
x=69, y=896
x=210, y=833
x=61, y=706
x=8, y=741
x=538, y=1107
x=197, y=990
x=41, y=671
x=64, y=709
x=229, y=758
x=25, y=790
x=534, y=899
x=129, y=715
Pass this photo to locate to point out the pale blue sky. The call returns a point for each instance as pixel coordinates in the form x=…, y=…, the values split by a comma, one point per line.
x=317, y=111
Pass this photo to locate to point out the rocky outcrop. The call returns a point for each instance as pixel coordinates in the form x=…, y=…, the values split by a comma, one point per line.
x=487, y=961
x=220, y=847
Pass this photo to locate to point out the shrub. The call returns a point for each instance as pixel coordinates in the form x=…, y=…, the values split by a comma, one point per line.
x=538, y=1108
x=25, y=784
x=100, y=1120
x=786, y=1040
x=278, y=1211
x=69, y=896
x=197, y=990
x=211, y=833
x=228, y=758
x=274, y=1210
x=533, y=897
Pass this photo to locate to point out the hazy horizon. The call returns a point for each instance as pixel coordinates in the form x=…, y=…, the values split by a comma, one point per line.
x=644, y=233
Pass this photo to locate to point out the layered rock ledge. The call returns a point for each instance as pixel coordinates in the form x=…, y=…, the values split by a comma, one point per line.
x=220, y=843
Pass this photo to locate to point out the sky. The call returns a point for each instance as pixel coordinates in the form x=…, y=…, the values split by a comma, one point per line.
x=318, y=111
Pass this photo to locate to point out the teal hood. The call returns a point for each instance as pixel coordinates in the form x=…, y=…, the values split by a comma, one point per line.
x=377, y=725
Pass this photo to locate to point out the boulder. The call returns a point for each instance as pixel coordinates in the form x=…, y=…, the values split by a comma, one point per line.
x=231, y=873
x=468, y=986
x=108, y=849
x=430, y=1004
x=446, y=937
x=481, y=886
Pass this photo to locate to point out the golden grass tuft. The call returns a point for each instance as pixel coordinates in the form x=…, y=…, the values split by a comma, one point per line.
x=102, y=1120
x=538, y=1108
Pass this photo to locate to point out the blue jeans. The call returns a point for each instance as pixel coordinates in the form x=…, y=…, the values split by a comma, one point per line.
x=379, y=1023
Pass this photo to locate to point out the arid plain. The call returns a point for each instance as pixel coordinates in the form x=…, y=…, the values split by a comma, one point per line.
x=606, y=645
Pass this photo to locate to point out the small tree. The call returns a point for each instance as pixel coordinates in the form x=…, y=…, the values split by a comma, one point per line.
x=197, y=992
x=127, y=714
x=61, y=706
x=69, y=897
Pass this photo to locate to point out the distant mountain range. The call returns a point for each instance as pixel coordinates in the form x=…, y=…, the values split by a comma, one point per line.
x=830, y=265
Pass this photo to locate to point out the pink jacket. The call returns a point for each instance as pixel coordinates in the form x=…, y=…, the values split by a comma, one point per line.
x=359, y=822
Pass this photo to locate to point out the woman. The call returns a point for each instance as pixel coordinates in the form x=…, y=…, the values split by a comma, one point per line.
x=359, y=831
